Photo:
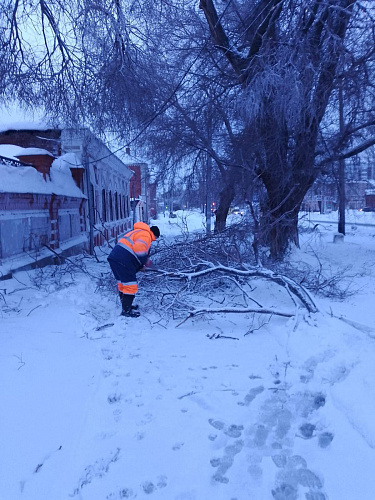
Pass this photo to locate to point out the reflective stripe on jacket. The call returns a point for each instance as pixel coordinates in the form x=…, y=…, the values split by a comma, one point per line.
x=138, y=241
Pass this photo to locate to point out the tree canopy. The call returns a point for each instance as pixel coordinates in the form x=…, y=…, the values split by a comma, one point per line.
x=254, y=85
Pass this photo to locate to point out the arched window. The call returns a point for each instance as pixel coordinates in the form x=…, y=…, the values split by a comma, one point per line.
x=116, y=207
x=104, y=206
x=93, y=202
x=127, y=206
x=110, y=206
x=119, y=207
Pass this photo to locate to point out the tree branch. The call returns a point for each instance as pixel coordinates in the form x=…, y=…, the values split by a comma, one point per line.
x=283, y=281
x=213, y=310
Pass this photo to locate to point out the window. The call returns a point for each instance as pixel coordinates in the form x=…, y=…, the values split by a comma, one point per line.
x=110, y=206
x=120, y=206
x=104, y=206
x=93, y=203
x=116, y=207
x=127, y=205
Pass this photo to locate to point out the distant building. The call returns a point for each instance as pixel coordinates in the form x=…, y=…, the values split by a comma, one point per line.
x=370, y=195
x=60, y=191
x=323, y=196
x=142, y=191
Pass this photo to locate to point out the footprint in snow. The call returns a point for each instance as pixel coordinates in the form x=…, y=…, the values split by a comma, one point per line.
x=149, y=487
x=123, y=493
x=114, y=398
x=293, y=474
x=251, y=395
x=225, y=463
x=107, y=354
x=177, y=446
x=325, y=439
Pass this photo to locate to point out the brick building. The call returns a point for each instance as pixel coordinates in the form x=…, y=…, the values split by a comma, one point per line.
x=142, y=191
x=61, y=191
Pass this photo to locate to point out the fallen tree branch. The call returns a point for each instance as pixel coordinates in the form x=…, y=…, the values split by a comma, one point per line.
x=290, y=285
x=211, y=310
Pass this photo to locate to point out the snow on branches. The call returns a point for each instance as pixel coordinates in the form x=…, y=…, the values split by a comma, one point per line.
x=200, y=277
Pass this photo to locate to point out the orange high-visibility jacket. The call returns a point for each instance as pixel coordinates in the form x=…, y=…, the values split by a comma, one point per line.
x=138, y=241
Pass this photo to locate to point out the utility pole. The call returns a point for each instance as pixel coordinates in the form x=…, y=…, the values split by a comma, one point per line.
x=90, y=201
x=341, y=180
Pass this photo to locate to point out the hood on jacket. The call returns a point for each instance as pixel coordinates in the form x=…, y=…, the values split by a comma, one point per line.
x=144, y=227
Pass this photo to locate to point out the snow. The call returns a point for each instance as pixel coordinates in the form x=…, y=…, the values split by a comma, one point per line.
x=34, y=151
x=9, y=264
x=10, y=151
x=99, y=407
x=29, y=180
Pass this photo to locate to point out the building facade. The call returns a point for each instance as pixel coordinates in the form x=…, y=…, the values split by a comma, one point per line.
x=61, y=191
x=142, y=191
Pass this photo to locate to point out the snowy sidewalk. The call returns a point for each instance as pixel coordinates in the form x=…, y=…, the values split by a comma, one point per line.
x=99, y=407
x=135, y=410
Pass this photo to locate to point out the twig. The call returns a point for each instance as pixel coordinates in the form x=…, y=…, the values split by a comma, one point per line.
x=20, y=289
x=21, y=361
x=36, y=307
x=103, y=327
x=219, y=336
x=70, y=261
x=260, y=325
x=188, y=394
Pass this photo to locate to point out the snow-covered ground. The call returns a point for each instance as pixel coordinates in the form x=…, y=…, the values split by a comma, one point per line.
x=99, y=407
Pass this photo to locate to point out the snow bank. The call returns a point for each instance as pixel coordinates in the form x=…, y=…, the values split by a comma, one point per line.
x=29, y=180
x=101, y=407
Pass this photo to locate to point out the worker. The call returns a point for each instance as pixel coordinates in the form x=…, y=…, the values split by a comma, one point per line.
x=130, y=255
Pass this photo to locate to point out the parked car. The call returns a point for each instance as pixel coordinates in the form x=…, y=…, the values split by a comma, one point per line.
x=367, y=209
x=236, y=211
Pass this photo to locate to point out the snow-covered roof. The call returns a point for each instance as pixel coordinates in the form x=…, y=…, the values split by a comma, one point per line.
x=69, y=160
x=28, y=180
x=13, y=152
x=10, y=151
x=129, y=160
x=34, y=152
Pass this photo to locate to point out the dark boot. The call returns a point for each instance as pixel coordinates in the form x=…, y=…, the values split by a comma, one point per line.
x=127, y=309
x=130, y=313
x=136, y=306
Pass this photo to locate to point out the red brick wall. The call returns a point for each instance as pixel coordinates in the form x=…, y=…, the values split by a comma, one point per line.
x=370, y=200
x=44, y=139
x=42, y=163
x=77, y=174
x=41, y=202
x=135, y=182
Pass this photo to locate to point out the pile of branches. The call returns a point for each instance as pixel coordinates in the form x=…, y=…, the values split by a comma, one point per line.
x=188, y=278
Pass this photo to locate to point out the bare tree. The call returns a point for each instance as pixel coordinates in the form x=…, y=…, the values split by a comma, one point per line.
x=286, y=57
x=257, y=92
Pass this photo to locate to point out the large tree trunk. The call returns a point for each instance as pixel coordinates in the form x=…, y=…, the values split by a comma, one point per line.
x=291, y=90
x=279, y=224
x=225, y=199
x=287, y=181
